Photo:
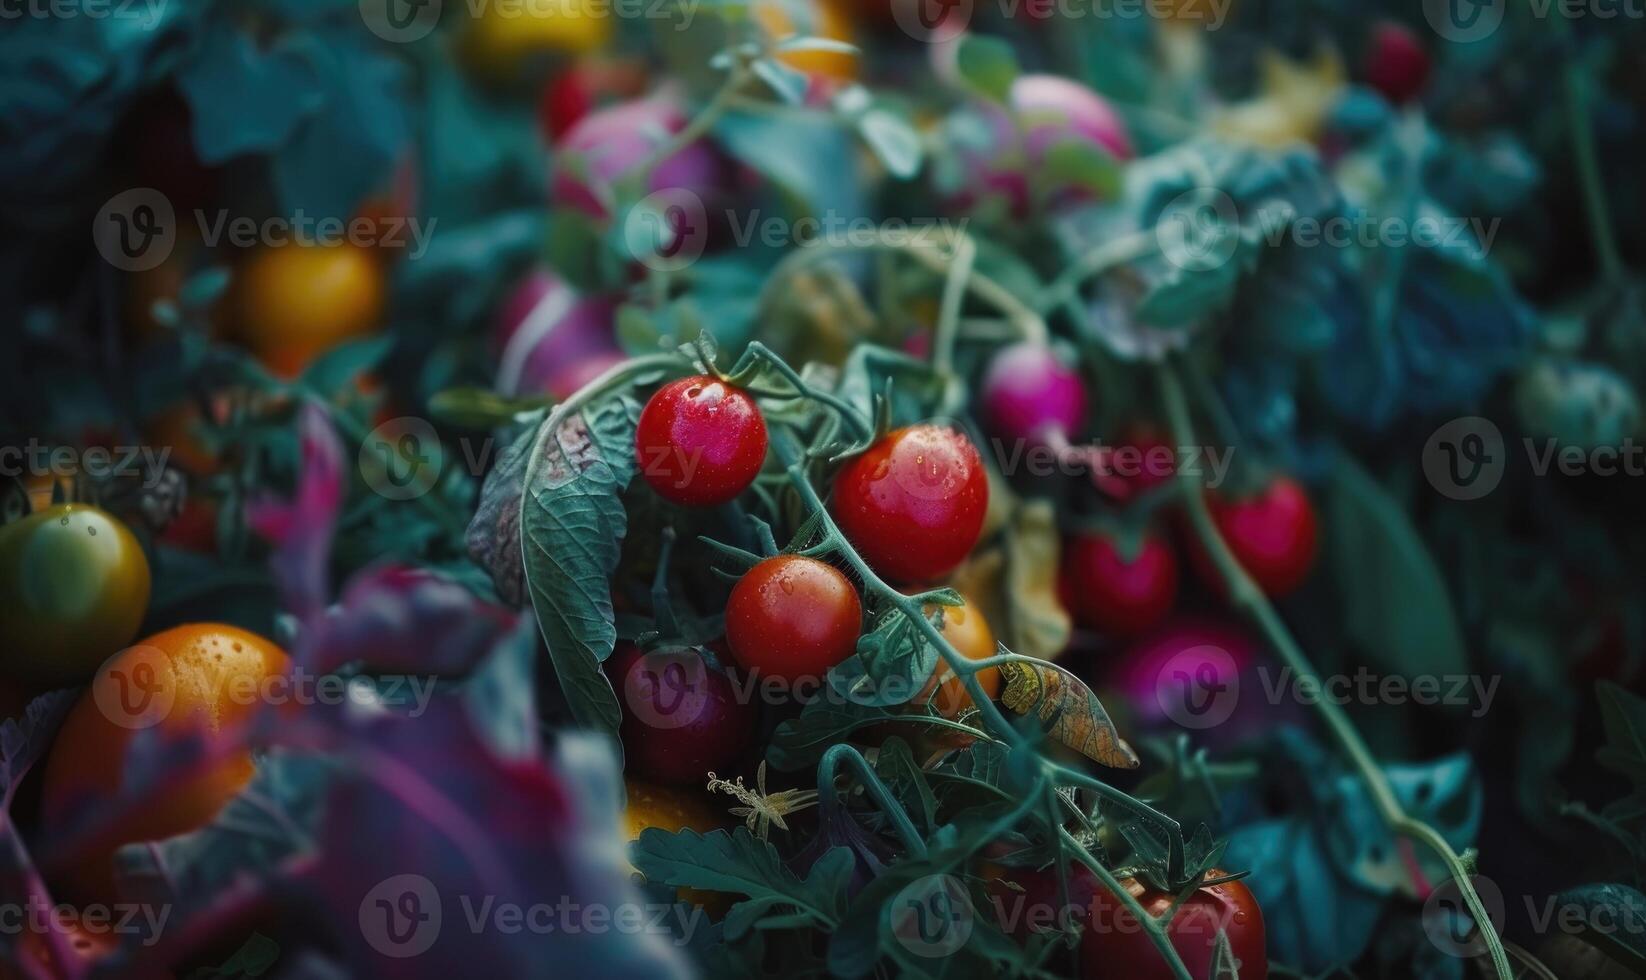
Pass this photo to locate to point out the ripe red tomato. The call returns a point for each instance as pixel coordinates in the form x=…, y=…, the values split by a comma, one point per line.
x=681, y=717
x=1275, y=535
x=1107, y=591
x=1115, y=943
x=700, y=441
x=913, y=505
x=793, y=617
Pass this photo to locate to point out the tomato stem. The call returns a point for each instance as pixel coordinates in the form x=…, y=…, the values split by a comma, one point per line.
x=883, y=799
x=1246, y=596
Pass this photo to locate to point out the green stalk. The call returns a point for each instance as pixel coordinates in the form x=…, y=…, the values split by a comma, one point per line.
x=876, y=789
x=1245, y=595
x=1587, y=159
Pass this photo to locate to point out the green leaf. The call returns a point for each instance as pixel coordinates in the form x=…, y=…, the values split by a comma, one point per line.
x=988, y=65
x=572, y=524
x=800, y=742
x=1081, y=164
x=743, y=864
x=893, y=139
x=342, y=365
x=1395, y=602
x=1624, y=716
x=787, y=83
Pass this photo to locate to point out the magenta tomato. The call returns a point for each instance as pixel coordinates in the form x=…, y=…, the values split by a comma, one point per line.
x=1115, y=943
x=1274, y=534
x=793, y=618
x=550, y=339
x=700, y=441
x=606, y=144
x=1115, y=593
x=681, y=717
x=913, y=504
x=1029, y=394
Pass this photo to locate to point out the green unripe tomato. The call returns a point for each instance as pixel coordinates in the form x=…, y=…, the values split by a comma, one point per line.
x=74, y=585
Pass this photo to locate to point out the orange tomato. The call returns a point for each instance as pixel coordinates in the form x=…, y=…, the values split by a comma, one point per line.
x=202, y=678
x=501, y=42
x=966, y=629
x=822, y=19
x=296, y=301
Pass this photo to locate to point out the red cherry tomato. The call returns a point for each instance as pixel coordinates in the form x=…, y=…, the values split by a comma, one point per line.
x=1274, y=534
x=1108, y=591
x=1115, y=943
x=1142, y=460
x=700, y=441
x=913, y=505
x=681, y=717
x=793, y=618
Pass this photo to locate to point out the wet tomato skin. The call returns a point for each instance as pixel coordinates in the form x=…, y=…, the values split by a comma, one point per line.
x=1116, y=945
x=1116, y=594
x=913, y=505
x=1275, y=534
x=700, y=441
x=681, y=717
x=793, y=618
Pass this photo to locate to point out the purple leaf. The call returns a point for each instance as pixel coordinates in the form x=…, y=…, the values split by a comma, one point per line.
x=301, y=529
x=399, y=620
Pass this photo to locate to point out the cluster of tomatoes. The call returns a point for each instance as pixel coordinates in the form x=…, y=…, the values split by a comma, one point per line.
x=74, y=590
x=913, y=507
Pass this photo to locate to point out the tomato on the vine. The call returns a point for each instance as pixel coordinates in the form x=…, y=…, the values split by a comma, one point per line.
x=1274, y=534
x=294, y=302
x=968, y=632
x=913, y=505
x=681, y=718
x=1115, y=593
x=74, y=585
x=1115, y=941
x=700, y=441
x=793, y=618
x=204, y=679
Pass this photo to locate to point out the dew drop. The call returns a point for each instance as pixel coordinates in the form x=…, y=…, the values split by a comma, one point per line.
x=92, y=531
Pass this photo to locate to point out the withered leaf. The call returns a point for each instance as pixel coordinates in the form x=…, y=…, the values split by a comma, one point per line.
x=1071, y=712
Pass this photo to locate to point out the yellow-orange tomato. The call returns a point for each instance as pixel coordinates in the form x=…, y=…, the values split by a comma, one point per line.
x=673, y=810
x=202, y=678
x=828, y=20
x=506, y=35
x=74, y=585
x=966, y=629
x=296, y=301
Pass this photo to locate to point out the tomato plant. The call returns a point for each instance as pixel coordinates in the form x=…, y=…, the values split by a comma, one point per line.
x=74, y=585
x=792, y=618
x=700, y=441
x=914, y=503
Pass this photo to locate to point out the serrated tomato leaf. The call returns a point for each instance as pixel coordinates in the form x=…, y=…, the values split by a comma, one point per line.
x=572, y=524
